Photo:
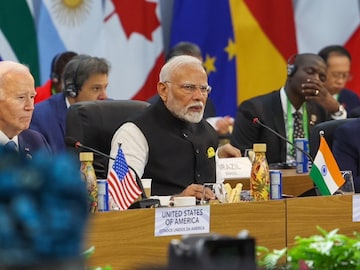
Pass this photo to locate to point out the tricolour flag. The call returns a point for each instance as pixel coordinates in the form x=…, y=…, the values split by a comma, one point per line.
x=122, y=186
x=325, y=172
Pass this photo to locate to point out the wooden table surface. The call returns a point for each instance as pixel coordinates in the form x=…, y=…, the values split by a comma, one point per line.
x=294, y=184
x=328, y=212
x=125, y=240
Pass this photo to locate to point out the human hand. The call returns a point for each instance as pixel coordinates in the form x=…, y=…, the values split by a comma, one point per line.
x=196, y=190
x=228, y=151
x=314, y=89
x=224, y=125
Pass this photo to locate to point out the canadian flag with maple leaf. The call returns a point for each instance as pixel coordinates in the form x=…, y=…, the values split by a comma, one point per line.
x=127, y=33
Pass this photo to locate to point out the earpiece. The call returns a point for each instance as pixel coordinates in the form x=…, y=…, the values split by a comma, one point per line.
x=53, y=75
x=291, y=67
x=71, y=87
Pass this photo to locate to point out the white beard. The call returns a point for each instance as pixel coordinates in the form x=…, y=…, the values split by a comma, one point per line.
x=189, y=116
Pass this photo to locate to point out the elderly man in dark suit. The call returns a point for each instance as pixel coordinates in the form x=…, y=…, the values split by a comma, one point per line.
x=17, y=92
x=304, y=93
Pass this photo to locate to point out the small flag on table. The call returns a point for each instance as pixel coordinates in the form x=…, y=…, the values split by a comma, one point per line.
x=122, y=186
x=325, y=172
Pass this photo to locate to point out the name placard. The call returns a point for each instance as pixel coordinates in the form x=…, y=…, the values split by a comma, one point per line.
x=230, y=168
x=182, y=220
x=356, y=208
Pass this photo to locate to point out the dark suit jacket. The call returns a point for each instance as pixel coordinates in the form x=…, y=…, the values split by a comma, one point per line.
x=31, y=141
x=49, y=119
x=349, y=99
x=346, y=149
x=269, y=110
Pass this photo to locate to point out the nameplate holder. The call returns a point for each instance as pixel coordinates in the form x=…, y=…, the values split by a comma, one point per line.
x=233, y=168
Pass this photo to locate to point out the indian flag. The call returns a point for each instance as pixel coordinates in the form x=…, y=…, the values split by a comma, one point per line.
x=325, y=172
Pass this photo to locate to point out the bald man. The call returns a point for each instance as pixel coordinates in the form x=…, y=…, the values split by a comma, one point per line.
x=17, y=92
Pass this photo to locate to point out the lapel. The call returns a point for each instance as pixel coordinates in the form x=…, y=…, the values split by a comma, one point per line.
x=277, y=110
x=313, y=117
x=24, y=146
x=60, y=110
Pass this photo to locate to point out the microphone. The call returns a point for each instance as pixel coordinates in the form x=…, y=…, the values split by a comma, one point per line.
x=145, y=202
x=256, y=120
x=311, y=192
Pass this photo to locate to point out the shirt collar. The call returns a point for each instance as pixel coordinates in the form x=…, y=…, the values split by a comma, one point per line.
x=4, y=139
x=284, y=100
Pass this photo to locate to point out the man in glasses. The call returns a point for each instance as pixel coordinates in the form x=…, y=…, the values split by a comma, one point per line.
x=170, y=142
x=224, y=124
x=338, y=61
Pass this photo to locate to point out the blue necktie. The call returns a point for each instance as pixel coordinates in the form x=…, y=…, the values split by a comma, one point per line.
x=11, y=145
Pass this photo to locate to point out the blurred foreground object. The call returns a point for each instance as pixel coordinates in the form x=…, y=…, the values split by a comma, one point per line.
x=208, y=252
x=43, y=212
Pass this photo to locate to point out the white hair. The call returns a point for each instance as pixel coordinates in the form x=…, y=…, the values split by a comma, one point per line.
x=174, y=63
x=6, y=68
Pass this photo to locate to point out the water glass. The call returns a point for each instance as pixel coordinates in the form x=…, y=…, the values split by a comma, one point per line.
x=348, y=186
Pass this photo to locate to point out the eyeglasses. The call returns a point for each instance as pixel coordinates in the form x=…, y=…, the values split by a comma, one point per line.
x=191, y=88
x=341, y=75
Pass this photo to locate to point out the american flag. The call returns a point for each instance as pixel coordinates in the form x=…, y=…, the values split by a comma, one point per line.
x=122, y=186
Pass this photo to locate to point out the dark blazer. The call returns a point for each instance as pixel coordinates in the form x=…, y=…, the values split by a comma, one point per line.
x=349, y=99
x=180, y=153
x=269, y=110
x=49, y=119
x=31, y=141
x=346, y=149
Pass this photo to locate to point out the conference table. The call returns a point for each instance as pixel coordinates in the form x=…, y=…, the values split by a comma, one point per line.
x=126, y=240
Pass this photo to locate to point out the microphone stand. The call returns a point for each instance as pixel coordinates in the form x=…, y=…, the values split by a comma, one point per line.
x=144, y=202
x=311, y=192
x=257, y=121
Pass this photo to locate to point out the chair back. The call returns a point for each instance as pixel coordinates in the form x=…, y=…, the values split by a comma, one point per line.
x=327, y=128
x=93, y=124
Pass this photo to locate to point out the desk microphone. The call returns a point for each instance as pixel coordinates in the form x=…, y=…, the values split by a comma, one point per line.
x=311, y=192
x=145, y=202
x=256, y=120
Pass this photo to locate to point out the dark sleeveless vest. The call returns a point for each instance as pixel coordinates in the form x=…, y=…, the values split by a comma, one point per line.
x=180, y=153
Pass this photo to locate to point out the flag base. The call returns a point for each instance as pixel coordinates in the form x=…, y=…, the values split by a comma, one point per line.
x=145, y=203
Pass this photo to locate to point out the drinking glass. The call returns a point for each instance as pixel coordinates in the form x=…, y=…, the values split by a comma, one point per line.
x=348, y=186
x=249, y=153
x=218, y=189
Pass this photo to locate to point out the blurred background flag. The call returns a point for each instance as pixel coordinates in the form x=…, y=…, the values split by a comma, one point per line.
x=325, y=22
x=245, y=43
x=208, y=24
x=265, y=39
x=126, y=33
x=18, y=37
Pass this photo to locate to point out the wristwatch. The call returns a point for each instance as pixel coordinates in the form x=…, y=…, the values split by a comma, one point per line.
x=340, y=112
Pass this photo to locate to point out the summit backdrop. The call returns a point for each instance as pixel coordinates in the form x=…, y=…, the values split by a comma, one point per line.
x=245, y=43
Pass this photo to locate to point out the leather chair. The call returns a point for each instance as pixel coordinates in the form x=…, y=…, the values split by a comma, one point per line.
x=93, y=124
x=327, y=128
